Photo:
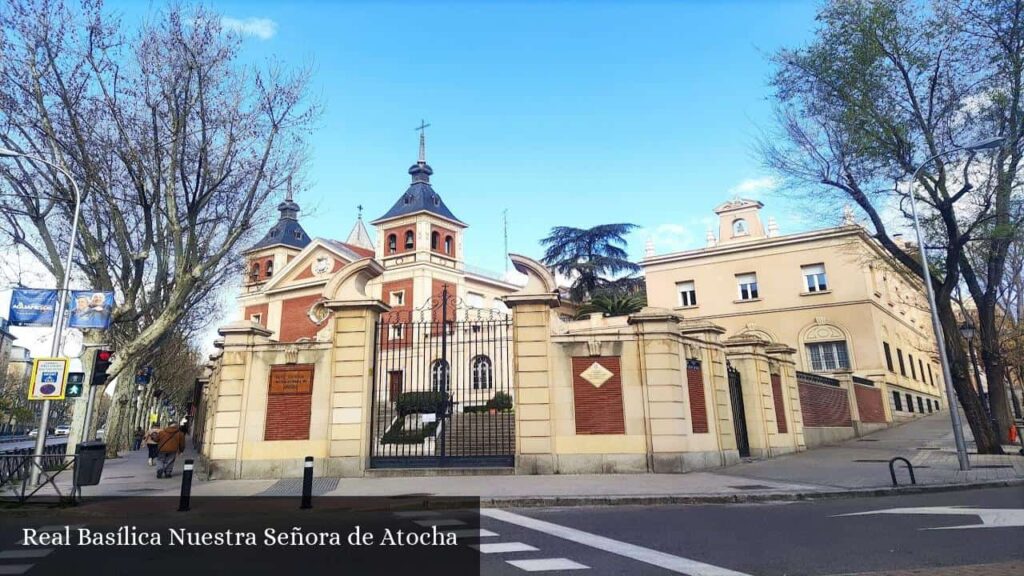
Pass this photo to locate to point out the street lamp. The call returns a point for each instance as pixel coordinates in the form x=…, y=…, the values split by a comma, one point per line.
x=44, y=415
x=954, y=412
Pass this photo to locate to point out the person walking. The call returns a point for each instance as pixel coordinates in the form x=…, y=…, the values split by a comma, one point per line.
x=152, y=442
x=170, y=443
x=137, y=438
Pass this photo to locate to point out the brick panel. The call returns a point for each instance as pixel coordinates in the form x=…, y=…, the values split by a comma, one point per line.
x=698, y=405
x=400, y=315
x=261, y=309
x=436, y=288
x=869, y=402
x=400, y=233
x=824, y=405
x=288, y=417
x=295, y=322
x=442, y=233
x=598, y=409
x=780, y=405
x=289, y=402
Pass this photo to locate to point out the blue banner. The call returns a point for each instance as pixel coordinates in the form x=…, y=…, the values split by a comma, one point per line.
x=90, y=310
x=31, y=307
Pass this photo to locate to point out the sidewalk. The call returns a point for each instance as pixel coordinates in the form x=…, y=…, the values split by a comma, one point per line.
x=856, y=467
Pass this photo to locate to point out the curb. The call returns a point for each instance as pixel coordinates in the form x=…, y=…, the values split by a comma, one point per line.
x=766, y=497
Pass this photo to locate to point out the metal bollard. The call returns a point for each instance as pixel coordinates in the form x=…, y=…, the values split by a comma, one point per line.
x=186, y=487
x=307, y=484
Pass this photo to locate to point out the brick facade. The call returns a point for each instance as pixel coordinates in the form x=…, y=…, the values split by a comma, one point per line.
x=400, y=314
x=824, y=405
x=295, y=322
x=442, y=234
x=400, y=234
x=598, y=409
x=698, y=404
x=869, y=403
x=780, y=404
x=288, y=414
x=261, y=309
x=436, y=289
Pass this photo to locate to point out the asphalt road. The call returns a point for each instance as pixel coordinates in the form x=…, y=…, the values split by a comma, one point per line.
x=19, y=444
x=977, y=532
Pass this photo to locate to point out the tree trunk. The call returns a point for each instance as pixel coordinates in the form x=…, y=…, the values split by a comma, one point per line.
x=984, y=437
x=118, y=426
x=78, y=405
x=995, y=372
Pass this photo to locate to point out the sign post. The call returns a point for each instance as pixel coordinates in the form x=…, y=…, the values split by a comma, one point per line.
x=48, y=378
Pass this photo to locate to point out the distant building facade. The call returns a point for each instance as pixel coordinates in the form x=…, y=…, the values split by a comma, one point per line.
x=831, y=293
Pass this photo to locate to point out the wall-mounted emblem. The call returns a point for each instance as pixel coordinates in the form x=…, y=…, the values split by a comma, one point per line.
x=596, y=374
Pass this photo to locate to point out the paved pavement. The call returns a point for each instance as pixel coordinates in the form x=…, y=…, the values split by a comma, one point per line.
x=856, y=465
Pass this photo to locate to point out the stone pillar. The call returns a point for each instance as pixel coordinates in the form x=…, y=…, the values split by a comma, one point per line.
x=228, y=418
x=352, y=386
x=783, y=357
x=747, y=355
x=845, y=378
x=531, y=349
x=704, y=338
x=883, y=386
x=662, y=374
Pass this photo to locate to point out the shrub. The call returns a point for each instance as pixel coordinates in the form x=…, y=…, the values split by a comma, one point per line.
x=397, y=434
x=419, y=403
x=500, y=401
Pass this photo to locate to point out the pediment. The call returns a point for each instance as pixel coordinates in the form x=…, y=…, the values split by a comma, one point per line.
x=317, y=261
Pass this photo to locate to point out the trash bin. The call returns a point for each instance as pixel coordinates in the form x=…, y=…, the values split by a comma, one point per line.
x=89, y=464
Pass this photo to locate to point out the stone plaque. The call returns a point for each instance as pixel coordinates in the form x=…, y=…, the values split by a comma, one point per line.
x=596, y=374
x=291, y=379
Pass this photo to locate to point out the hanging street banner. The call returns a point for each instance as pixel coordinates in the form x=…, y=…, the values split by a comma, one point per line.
x=90, y=310
x=31, y=307
x=48, y=378
x=76, y=383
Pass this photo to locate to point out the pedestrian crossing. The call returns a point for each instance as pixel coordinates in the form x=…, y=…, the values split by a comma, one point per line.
x=16, y=561
x=433, y=518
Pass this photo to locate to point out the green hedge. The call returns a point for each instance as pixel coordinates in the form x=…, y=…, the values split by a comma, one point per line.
x=397, y=434
x=500, y=402
x=419, y=403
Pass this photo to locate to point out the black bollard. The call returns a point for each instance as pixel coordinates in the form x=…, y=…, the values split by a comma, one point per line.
x=186, y=487
x=307, y=484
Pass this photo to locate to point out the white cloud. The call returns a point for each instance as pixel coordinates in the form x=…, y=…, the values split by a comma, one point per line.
x=669, y=238
x=754, y=187
x=262, y=28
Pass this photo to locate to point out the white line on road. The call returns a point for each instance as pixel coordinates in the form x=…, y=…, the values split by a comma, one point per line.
x=15, y=568
x=653, y=557
x=27, y=553
x=473, y=533
x=545, y=564
x=503, y=547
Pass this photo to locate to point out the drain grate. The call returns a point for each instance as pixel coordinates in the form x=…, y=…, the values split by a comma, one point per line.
x=751, y=487
x=928, y=448
x=293, y=487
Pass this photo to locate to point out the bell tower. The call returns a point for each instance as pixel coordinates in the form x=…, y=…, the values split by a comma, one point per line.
x=739, y=220
x=281, y=243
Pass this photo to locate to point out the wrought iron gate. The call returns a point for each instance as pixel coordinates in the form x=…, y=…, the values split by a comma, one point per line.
x=442, y=387
x=739, y=415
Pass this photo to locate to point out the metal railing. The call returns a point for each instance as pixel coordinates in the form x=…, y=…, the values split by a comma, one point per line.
x=16, y=468
x=809, y=378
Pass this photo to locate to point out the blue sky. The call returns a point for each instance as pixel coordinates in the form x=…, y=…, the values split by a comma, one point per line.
x=569, y=113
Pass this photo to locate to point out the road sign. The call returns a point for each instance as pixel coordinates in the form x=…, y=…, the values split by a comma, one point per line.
x=76, y=382
x=48, y=378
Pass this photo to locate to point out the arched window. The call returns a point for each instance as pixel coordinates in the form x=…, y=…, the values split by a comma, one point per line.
x=256, y=271
x=739, y=227
x=435, y=239
x=440, y=375
x=483, y=373
x=449, y=244
x=392, y=244
x=409, y=244
x=269, y=270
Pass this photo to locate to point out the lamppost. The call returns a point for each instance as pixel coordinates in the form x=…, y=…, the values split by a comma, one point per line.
x=954, y=412
x=968, y=331
x=44, y=415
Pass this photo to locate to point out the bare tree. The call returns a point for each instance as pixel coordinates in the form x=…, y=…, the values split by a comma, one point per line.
x=886, y=85
x=177, y=146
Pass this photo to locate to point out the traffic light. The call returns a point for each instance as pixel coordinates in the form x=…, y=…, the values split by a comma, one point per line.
x=75, y=385
x=100, y=365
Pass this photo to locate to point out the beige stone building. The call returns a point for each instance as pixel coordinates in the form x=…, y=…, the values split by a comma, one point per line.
x=831, y=294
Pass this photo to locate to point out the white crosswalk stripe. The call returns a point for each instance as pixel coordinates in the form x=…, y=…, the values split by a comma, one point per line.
x=15, y=568
x=473, y=533
x=503, y=547
x=547, y=564
x=26, y=553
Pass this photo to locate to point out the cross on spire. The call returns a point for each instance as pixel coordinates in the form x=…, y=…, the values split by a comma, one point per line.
x=360, y=207
x=288, y=194
x=423, y=141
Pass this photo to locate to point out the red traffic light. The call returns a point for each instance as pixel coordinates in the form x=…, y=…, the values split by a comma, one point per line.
x=104, y=355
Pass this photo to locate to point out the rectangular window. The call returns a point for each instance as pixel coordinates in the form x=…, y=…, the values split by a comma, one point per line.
x=910, y=403
x=814, y=277
x=931, y=377
x=920, y=366
x=474, y=300
x=897, y=401
x=929, y=405
x=913, y=371
x=888, y=356
x=397, y=331
x=899, y=356
x=747, y=286
x=397, y=298
x=687, y=293
x=920, y=405
x=828, y=356
x=257, y=318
